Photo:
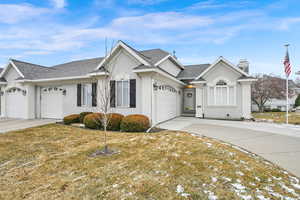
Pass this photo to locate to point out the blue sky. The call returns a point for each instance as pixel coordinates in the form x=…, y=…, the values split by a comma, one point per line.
x=55, y=31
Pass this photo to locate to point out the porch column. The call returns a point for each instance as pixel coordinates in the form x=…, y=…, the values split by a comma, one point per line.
x=199, y=100
x=246, y=100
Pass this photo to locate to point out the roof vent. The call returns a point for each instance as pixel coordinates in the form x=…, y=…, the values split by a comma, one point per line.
x=244, y=65
x=174, y=54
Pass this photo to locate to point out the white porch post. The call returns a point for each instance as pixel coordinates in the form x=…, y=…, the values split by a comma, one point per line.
x=199, y=100
x=246, y=100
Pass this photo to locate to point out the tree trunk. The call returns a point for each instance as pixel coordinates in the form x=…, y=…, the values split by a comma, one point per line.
x=261, y=108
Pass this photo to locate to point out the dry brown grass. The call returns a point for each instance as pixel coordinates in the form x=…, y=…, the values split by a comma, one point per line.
x=52, y=162
x=279, y=117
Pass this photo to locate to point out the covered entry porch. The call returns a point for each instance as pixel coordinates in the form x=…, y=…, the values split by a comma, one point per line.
x=193, y=101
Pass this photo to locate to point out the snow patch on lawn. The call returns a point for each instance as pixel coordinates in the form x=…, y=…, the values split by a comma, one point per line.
x=180, y=190
x=289, y=190
x=211, y=195
x=214, y=179
x=240, y=173
x=208, y=144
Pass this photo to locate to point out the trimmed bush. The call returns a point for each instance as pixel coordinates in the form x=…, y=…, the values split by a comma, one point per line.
x=297, y=101
x=276, y=110
x=135, y=123
x=93, y=121
x=70, y=119
x=115, y=120
x=82, y=115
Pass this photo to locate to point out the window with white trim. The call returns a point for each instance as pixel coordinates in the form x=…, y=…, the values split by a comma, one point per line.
x=86, y=95
x=221, y=94
x=122, y=93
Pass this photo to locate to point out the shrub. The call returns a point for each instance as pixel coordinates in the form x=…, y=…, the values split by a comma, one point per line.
x=135, y=123
x=297, y=102
x=70, y=119
x=93, y=121
x=276, y=110
x=115, y=120
x=82, y=115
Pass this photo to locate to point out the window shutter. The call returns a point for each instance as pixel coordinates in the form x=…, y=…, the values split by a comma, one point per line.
x=132, y=93
x=113, y=94
x=94, y=94
x=79, y=95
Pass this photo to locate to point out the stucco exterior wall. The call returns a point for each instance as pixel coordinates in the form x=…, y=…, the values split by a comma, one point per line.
x=223, y=72
x=2, y=107
x=11, y=74
x=170, y=67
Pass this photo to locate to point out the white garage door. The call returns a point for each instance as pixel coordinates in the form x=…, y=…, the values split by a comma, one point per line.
x=51, y=103
x=166, y=100
x=15, y=103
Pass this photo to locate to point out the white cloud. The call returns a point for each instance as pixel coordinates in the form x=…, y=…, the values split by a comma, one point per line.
x=286, y=23
x=14, y=13
x=212, y=4
x=164, y=20
x=59, y=3
x=146, y=2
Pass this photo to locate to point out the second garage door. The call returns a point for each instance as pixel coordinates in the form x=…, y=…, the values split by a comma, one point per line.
x=51, y=103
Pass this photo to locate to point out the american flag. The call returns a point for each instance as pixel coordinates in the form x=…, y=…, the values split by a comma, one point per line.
x=287, y=64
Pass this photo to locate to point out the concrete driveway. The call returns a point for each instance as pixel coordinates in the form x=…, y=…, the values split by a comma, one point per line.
x=277, y=143
x=17, y=124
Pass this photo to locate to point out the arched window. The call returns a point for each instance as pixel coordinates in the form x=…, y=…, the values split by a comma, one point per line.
x=221, y=82
x=221, y=94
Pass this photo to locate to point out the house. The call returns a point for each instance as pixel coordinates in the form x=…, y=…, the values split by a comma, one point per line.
x=278, y=102
x=151, y=82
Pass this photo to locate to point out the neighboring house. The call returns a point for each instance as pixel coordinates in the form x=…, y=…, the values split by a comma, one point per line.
x=150, y=82
x=280, y=102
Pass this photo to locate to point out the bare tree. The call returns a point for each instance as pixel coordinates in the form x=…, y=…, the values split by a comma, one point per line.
x=104, y=96
x=267, y=87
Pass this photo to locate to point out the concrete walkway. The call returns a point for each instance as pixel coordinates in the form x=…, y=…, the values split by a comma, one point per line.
x=277, y=143
x=17, y=124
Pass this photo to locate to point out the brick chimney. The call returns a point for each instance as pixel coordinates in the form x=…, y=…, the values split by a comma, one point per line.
x=244, y=65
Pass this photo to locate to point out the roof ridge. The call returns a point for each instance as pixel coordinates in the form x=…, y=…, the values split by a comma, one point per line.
x=30, y=63
x=77, y=61
x=194, y=65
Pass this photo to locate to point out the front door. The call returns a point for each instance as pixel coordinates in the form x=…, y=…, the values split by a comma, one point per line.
x=189, y=100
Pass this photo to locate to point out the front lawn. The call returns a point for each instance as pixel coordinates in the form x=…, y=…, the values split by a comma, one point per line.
x=52, y=162
x=278, y=117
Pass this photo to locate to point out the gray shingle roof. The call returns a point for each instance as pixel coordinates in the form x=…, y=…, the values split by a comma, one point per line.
x=192, y=71
x=76, y=68
x=154, y=55
x=246, y=77
x=31, y=71
x=81, y=67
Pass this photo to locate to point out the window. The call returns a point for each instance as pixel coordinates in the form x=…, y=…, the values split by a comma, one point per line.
x=122, y=93
x=221, y=94
x=86, y=97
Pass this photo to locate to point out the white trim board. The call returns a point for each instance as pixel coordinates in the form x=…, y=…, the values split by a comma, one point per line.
x=160, y=72
x=14, y=66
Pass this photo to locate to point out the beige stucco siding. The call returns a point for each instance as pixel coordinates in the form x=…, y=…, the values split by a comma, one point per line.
x=170, y=67
x=11, y=74
x=223, y=72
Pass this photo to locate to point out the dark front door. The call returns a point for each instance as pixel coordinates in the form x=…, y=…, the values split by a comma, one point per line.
x=189, y=100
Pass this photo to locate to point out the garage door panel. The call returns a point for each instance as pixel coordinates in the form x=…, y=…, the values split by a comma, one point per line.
x=51, y=103
x=15, y=104
x=166, y=100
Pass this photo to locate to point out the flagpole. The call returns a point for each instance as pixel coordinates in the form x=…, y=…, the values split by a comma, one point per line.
x=287, y=92
x=287, y=100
